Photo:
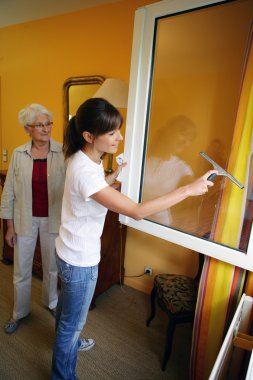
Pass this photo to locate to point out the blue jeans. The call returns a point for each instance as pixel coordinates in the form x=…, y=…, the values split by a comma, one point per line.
x=77, y=289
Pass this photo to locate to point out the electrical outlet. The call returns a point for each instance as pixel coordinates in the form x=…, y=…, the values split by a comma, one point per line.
x=148, y=271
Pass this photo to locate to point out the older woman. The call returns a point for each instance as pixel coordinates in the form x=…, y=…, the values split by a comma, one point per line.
x=31, y=203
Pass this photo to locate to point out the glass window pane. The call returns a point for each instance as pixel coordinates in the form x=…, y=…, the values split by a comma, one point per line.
x=199, y=59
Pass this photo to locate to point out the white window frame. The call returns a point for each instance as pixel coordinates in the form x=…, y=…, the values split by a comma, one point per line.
x=144, y=27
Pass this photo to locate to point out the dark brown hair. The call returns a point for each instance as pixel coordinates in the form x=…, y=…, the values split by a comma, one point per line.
x=95, y=115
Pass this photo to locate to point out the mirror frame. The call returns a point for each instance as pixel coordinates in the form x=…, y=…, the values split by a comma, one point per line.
x=139, y=93
x=92, y=79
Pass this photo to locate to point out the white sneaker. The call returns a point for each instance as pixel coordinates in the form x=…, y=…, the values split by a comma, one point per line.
x=85, y=344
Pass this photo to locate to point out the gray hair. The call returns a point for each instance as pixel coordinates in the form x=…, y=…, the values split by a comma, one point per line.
x=29, y=114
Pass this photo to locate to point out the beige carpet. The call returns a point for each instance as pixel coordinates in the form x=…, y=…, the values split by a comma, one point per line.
x=125, y=348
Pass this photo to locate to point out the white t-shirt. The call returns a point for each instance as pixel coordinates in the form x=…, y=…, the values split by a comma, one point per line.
x=82, y=218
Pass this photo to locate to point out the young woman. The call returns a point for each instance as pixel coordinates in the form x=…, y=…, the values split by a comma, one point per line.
x=94, y=130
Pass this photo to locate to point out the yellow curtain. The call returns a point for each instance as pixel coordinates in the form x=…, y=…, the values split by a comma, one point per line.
x=221, y=284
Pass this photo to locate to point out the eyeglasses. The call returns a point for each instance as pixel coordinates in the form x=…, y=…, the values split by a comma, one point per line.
x=39, y=126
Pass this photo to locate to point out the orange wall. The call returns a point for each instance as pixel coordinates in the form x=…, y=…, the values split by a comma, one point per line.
x=35, y=60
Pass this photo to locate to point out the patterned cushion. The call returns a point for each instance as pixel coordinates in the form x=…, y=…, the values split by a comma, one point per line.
x=178, y=292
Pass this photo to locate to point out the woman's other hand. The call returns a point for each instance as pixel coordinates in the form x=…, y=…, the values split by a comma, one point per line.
x=111, y=178
x=119, y=168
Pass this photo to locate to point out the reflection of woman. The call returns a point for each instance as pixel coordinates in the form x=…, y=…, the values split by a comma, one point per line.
x=165, y=170
x=31, y=203
x=94, y=130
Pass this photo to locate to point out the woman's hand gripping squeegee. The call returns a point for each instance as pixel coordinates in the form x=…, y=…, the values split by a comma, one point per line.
x=220, y=171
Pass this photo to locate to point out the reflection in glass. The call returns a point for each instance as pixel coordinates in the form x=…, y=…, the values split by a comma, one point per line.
x=165, y=165
x=199, y=62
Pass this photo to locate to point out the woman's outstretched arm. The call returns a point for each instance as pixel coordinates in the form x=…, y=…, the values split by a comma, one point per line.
x=118, y=202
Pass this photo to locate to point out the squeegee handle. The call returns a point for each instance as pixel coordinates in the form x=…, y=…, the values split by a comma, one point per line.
x=212, y=177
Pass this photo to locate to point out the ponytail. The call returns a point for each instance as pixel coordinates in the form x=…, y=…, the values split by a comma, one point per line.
x=72, y=140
